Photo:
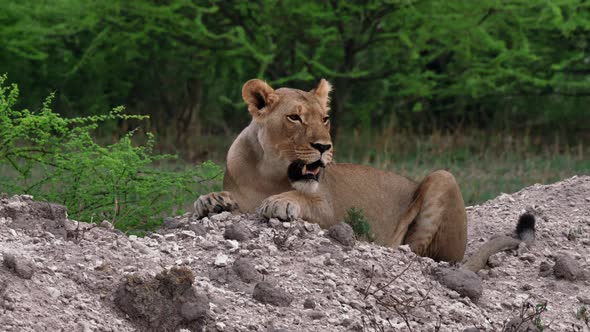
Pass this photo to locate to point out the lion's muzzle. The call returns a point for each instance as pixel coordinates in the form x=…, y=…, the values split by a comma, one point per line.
x=300, y=171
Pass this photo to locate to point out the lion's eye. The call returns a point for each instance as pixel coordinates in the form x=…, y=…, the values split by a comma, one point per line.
x=326, y=120
x=294, y=118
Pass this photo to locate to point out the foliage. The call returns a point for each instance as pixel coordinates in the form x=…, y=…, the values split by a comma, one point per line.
x=359, y=223
x=583, y=315
x=56, y=159
x=420, y=63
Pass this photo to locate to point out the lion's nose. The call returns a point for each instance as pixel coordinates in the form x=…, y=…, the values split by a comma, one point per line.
x=321, y=147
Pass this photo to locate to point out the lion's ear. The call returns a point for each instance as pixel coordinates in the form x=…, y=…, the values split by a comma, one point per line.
x=322, y=92
x=258, y=96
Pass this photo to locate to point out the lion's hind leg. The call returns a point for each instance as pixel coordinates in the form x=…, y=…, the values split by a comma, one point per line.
x=439, y=230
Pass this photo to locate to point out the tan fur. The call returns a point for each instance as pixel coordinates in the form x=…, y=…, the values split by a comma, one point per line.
x=428, y=216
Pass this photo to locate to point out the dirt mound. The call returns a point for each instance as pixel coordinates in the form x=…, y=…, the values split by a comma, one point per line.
x=243, y=273
x=165, y=303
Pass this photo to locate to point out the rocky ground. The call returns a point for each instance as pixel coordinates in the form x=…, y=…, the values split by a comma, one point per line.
x=242, y=273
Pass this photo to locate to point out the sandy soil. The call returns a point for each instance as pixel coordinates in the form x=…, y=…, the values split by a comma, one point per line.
x=242, y=273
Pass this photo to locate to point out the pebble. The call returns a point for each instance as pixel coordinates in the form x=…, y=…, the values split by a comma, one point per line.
x=53, y=292
x=106, y=225
x=237, y=232
x=316, y=314
x=221, y=260
x=245, y=270
x=342, y=233
x=170, y=237
x=463, y=281
x=265, y=292
x=232, y=245
x=141, y=247
x=584, y=299
x=311, y=227
x=220, y=217
x=186, y=234
x=23, y=267
x=528, y=257
x=309, y=303
x=566, y=268
x=274, y=223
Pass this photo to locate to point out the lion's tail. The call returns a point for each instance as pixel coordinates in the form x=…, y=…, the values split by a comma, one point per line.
x=525, y=232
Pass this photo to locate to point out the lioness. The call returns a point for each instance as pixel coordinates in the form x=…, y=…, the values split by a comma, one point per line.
x=281, y=165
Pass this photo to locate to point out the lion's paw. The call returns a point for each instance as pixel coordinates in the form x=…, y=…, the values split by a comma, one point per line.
x=214, y=203
x=280, y=207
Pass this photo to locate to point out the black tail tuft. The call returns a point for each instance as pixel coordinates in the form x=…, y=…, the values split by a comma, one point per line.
x=525, y=229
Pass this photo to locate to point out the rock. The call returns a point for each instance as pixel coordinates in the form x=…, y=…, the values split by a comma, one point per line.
x=196, y=308
x=311, y=227
x=545, y=269
x=232, y=245
x=186, y=235
x=245, y=270
x=584, y=299
x=528, y=257
x=506, y=197
x=522, y=249
x=463, y=281
x=221, y=260
x=267, y=293
x=85, y=327
x=170, y=237
x=23, y=267
x=106, y=225
x=315, y=314
x=495, y=260
x=199, y=230
x=220, y=217
x=53, y=292
x=141, y=247
x=237, y=232
x=342, y=233
x=274, y=223
x=171, y=223
x=309, y=304
x=566, y=268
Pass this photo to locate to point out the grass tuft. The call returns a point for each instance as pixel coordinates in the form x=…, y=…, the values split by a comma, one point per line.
x=360, y=225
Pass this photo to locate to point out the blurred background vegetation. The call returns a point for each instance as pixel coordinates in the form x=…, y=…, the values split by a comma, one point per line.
x=496, y=91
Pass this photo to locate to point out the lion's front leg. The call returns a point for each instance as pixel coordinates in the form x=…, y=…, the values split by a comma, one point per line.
x=292, y=205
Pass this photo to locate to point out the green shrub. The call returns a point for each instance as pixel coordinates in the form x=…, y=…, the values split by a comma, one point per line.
x=360, y=225
x=57, y=159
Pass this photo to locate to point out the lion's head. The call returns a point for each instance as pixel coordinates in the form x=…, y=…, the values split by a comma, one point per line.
x=294, y=128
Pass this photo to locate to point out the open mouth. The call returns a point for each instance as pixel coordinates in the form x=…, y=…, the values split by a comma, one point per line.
x=300, y=171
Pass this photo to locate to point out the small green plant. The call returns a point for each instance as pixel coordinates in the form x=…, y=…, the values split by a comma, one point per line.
x=574, y=233
x=529, y=314
x=583, y=315
x=359, y=223
x=539, y=309
x=57, y=159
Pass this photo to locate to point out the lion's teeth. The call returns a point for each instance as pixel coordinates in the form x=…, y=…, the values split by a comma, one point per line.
x=304, y=170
